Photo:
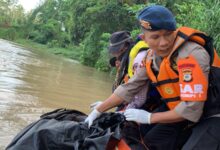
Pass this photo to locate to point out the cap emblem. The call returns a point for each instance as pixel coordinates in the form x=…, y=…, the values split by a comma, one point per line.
x=145, y=24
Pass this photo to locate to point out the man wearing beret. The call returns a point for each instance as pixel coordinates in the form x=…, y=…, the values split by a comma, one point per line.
x=178, y=66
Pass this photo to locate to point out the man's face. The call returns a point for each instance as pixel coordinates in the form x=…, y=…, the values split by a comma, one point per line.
x=160, y=41
x=119, y=52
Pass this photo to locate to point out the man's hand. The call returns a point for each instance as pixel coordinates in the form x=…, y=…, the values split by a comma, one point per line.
x=92, y=116
x=95, y=105
x=138, y=115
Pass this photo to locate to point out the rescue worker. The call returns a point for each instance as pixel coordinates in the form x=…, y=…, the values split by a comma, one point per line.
x=124, y=51
x=178, y=65
x=127, y=55
x=120, y=45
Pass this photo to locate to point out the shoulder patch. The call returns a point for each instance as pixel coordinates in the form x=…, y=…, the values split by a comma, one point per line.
x=143, y=63
x=192, y=81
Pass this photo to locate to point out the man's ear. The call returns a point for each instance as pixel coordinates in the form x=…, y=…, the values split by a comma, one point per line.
x=142, y=36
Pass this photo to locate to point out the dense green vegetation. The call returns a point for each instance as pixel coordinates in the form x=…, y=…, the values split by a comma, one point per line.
x=80, y=29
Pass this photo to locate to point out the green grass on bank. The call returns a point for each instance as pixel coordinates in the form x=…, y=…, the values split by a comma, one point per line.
x=71, y=53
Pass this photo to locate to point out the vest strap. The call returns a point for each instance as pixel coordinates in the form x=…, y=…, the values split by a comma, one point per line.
x=173, y=99
x=165, y=82
x=183, y=35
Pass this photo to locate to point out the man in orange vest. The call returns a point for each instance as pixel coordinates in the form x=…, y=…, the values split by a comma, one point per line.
x=178, y=65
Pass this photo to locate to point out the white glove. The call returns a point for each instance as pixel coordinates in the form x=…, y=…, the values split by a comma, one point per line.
x=137, y=115
x=92, y=116
x=95, y=105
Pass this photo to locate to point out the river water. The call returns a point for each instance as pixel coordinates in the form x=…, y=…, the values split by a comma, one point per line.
x=35, y=82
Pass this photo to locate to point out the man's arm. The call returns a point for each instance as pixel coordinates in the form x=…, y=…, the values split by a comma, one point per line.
x=192, y=110
x=126, y=92
x=133, y=86
x=166, y=117
x=109, y=103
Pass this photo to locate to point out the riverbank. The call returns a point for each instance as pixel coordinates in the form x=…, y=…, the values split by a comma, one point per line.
x=70, y=53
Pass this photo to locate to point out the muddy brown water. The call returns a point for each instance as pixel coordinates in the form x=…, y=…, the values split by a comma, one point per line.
x=35, y=82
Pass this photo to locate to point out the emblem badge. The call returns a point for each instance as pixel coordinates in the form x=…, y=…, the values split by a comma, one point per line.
x=187, y=75
x=168, y=90
x=145, y=24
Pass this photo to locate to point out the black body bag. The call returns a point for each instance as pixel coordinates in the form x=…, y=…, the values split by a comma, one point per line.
x=64, y=129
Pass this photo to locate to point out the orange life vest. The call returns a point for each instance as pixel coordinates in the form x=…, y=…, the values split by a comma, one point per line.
x=168, y=82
